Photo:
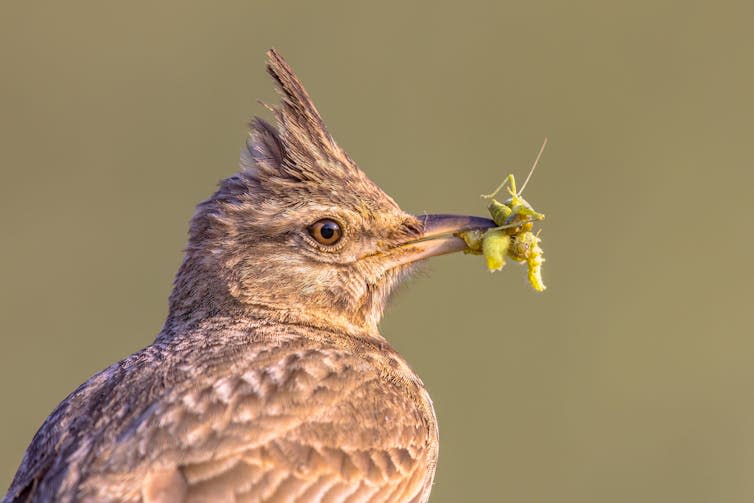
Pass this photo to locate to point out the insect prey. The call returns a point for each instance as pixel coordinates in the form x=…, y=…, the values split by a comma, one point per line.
x=513, y=236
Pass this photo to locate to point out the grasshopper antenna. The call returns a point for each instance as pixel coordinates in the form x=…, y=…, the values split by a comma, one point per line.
x=533, y=167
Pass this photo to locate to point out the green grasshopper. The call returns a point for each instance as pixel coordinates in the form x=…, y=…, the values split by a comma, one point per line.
x=513, y=235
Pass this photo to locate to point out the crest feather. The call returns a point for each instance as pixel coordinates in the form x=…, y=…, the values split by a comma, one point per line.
x=303, y=132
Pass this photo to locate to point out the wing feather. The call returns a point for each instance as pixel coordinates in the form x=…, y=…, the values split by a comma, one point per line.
x=286, y=423
x=313, y=426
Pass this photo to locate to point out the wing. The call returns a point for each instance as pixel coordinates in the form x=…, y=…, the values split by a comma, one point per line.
x=297, y=424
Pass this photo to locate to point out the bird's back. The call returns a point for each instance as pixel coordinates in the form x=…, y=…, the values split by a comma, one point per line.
x=264, y=413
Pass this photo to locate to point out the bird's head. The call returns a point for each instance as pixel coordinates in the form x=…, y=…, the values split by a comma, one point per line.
x=301, y=234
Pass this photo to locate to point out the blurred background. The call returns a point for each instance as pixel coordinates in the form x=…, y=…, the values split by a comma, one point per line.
x=629, y=379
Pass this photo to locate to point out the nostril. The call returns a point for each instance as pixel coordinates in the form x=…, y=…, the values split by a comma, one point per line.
x=412, y=226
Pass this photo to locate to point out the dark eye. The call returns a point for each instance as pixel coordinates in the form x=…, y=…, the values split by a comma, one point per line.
x=326, y=231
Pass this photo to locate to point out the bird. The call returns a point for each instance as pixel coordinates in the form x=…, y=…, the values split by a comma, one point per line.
x=270, y=380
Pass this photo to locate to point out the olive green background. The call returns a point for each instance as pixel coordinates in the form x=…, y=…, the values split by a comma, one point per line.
x=629, y=379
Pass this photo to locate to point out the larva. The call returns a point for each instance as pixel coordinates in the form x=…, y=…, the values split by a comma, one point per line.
x=525, y=248
x=495, y=246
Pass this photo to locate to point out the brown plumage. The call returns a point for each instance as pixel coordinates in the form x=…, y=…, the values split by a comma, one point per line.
x=269, y=380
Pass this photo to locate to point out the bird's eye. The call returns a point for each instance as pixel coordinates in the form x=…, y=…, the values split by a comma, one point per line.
x=326, y=231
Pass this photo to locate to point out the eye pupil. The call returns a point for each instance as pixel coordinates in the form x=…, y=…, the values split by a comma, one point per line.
x=326, y=231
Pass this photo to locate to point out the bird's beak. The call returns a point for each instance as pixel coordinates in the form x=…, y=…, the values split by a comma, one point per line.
x=440, y=236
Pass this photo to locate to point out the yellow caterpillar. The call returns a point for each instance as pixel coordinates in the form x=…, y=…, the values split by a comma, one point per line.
x=495, y=245
x=525, y=248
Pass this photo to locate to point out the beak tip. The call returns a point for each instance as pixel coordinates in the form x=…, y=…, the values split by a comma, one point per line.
x=452, y=224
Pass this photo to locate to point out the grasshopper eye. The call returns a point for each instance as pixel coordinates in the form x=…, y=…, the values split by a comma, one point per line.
x=326, y=231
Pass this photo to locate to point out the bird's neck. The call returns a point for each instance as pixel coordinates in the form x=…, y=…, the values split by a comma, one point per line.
x=196, y=302
x=188, y=321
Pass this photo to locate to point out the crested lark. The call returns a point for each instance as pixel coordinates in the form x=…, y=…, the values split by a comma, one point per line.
x=269, y=380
